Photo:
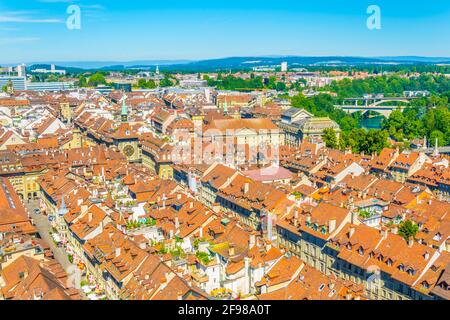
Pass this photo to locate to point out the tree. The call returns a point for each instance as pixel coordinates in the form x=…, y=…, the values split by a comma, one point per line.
x=408, y=229
x=330, y=138
x=374, y=141
x=5, y=88
x=360, y=140
x=436, y=134
x=144, y=84
x=82, y=82
x=280, y=86
x=96, y=79
x=166, y=82
x=395, y=125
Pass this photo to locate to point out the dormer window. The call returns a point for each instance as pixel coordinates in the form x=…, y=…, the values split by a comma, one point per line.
x=401, y=267
x=411, y=271
x=437, y=237
x=389, y=262
x=444, y=285
x=349, y=246
x=361, y=251
x=323, y=230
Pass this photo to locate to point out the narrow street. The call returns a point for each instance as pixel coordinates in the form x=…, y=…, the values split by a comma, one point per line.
x=43, y=225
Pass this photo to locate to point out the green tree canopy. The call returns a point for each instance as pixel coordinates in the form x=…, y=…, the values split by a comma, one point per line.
x=330, y=138
x=408, y=229
x=97, y=79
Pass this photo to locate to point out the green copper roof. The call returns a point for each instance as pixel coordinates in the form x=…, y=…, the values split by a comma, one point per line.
x=124, y=108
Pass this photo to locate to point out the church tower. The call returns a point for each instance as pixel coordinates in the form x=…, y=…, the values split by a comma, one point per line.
x=124, y=112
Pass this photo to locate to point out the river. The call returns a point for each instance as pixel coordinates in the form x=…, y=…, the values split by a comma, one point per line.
x=372, y=122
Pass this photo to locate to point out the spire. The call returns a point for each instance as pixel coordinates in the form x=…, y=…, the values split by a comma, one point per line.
x=436, y=148
x=124, y=113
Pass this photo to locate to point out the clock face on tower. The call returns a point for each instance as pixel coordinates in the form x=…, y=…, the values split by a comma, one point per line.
x=128, y=151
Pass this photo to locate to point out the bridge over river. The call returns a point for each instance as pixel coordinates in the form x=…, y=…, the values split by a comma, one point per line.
x=352, y=105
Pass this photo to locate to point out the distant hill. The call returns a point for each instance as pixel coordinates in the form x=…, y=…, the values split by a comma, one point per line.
x=239, y=63
x=112, y=64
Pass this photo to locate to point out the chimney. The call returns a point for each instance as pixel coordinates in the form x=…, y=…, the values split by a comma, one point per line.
x=191, y=205
x=178, y=196
x=117, y=252
x=308, y=218
x=177, y=223
x=246, y=187
x=426, y=256
x=252, y=241
x=231, y=251
x=84, y=208
x=384, y=234
x=410, y=242
x=89, y=216
x=351, y=232
x=331, y=226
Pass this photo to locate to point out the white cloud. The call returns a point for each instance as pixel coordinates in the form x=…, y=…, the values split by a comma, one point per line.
x=4, y=41
x=25, y=17
x=55, y=1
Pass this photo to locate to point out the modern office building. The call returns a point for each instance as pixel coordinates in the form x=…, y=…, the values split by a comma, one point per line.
x=52, y=70
x=21, y=70
x=19, y=83
x=122, y=86
x=49, y=86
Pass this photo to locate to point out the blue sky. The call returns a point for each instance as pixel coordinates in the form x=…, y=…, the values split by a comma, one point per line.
x=35, y=30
